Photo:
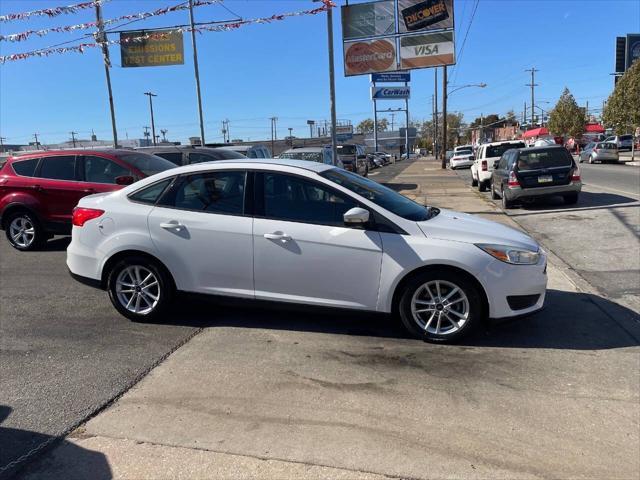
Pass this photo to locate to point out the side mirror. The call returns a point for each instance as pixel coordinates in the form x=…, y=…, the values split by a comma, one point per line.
x=356, y=217
x=124, y=180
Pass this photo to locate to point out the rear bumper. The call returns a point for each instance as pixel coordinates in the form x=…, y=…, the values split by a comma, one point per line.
x=91, y=282
x=536, y=192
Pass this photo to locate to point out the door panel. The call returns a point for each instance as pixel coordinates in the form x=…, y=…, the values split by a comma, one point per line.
x=58, y=186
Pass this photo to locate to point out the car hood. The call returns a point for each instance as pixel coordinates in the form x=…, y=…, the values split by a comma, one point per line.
x=462, y=227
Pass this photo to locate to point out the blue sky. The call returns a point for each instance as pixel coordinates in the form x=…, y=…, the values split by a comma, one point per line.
x=280, y=69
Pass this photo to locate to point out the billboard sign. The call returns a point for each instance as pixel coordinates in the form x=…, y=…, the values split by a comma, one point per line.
x=390, y=93
x=419, y=15
x=368, y=20
x=371, y=56
x=394, y=77
x=633, y=49
x=164, y=48
x=428, y=50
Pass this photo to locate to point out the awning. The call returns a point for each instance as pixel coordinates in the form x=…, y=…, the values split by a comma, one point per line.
x=594, y=128
x=536, y=132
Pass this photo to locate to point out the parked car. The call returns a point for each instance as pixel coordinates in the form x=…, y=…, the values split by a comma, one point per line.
x=187, y=154
x=386, y=157
x=353, y=158
x=487, y=155
x=311, y=154
x=39, y=190
x=374, y=161
x=410, y=156
x=250, y=151
x=306, y=233
x=624, y=142
x=461, y=159
x=530, y=173
x=600, y=152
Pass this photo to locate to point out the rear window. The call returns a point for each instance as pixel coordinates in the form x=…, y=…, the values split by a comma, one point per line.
x=625, y=137
x=558, y=157
x=498, y=150
x=607, y=146
x=147, y=164
x=26, y=168
x=309, y=156
x=346, y=150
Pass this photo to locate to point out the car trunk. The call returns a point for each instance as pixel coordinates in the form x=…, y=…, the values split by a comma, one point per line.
x=544, y=168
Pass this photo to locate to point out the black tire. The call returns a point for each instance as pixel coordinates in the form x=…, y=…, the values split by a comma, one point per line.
x=570, y=199
x=482, y=186
x=28, y=219
x=417, y=282
x=506, y=204
x=474, y=182
x=165, y=291
x=494, y=195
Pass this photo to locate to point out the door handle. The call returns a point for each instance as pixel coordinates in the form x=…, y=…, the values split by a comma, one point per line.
x=37, y=188
x=172, y=225
x=283, y=237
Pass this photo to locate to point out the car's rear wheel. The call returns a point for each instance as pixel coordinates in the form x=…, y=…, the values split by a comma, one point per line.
x=24, y=232
x=440, y=306
x=140, y=289
x=570, y=199
x=474, y=182
x=482, y=186
x=591, y=159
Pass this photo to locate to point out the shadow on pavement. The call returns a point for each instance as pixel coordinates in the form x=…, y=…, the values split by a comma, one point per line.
x=586, y=201
x=58, y=244
x=16, y=442
x=400, y=186
x=569, y=321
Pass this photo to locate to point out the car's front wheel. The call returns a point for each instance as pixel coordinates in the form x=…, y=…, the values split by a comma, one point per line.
x=494, y=194
x=440, y=306
x=24, y=231
x=139, y=288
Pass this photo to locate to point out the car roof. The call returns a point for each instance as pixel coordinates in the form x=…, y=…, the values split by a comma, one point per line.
x=542, y=148
x=72, y=151
x=493, y=144
x=178, y=148
x=252, y=162
x=305, y=149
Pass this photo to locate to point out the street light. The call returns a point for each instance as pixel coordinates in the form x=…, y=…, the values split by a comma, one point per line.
x=444, y=111
x=153, y=125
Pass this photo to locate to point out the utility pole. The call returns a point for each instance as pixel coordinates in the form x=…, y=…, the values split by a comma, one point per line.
x=164, y=134
x=435, y=124
x=224, y=131
x=102, y=39
x=153, y=125
x=2, y=139
x=146, y=134
x=481, y=126
x=290, y=137
x=586, y=112
x=226, y=127
x=73, y=138
x=332, y=86
x=524, y=113
x=36, y=137
x=533, y=85
x=444, y=117
x=392, y=118
x=273, y=133
x=196, y=71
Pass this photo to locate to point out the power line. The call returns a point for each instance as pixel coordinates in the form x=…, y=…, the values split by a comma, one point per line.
x=464, y=41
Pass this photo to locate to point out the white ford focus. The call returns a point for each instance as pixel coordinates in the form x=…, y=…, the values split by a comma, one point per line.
x=302, y=232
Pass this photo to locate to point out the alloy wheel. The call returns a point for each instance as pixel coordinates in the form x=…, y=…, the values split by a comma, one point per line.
x=22, y=231
x=138, y=289
x=440, y=307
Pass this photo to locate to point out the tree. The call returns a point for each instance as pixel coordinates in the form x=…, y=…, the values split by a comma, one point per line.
x=567, y=118
x=510, y=118
x=622, y=111
x=366, y=126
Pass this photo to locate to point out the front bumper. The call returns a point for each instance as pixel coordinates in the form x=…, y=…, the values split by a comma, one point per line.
x=537, y=192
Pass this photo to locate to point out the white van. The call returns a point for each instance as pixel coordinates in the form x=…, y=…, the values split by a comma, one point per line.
x=486, y=156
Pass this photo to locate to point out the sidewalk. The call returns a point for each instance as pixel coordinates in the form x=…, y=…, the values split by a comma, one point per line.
x=300, y=396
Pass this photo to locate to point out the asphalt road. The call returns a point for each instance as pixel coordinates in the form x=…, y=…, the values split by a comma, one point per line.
x=64, y=350
x=597, y=237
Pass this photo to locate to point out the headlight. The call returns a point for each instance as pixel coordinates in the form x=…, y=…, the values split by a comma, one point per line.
x=507, y=254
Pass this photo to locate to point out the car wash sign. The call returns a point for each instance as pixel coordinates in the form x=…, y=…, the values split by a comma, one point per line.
x=390, y=93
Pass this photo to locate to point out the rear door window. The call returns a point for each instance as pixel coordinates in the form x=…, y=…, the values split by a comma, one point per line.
x=173, y=157
x=26, y=168
x=61, y=167
x=558, y=157
x=152, y=193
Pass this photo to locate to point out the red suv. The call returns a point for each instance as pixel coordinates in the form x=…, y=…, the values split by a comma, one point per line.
x=38, y=191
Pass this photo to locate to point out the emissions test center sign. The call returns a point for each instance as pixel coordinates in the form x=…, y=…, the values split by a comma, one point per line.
x=164, y=48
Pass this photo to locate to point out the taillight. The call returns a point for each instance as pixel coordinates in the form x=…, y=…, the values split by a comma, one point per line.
x=484, y=165
x=513, y=180
x=83, y=215
x=575, y=175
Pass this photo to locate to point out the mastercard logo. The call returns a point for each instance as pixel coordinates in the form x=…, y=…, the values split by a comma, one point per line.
x=376, y=56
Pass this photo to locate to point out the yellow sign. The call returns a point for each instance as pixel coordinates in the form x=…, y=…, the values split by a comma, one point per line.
x=163, y=47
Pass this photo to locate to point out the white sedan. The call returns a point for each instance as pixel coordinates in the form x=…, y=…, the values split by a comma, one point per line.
x=302, y=232
x=462, y=159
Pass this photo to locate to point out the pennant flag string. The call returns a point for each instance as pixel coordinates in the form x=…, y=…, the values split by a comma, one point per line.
x=19, y=37
x=51, y=12
x=327, y=4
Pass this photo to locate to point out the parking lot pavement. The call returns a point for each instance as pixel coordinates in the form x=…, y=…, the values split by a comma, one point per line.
x=266, y=392
x=598, y=237
x=63, y=349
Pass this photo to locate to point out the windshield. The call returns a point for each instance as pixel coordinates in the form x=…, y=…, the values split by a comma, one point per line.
x=378, y=194
x=346, y=149
x=309, y=156
x=498, y=150
x=147, y=164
